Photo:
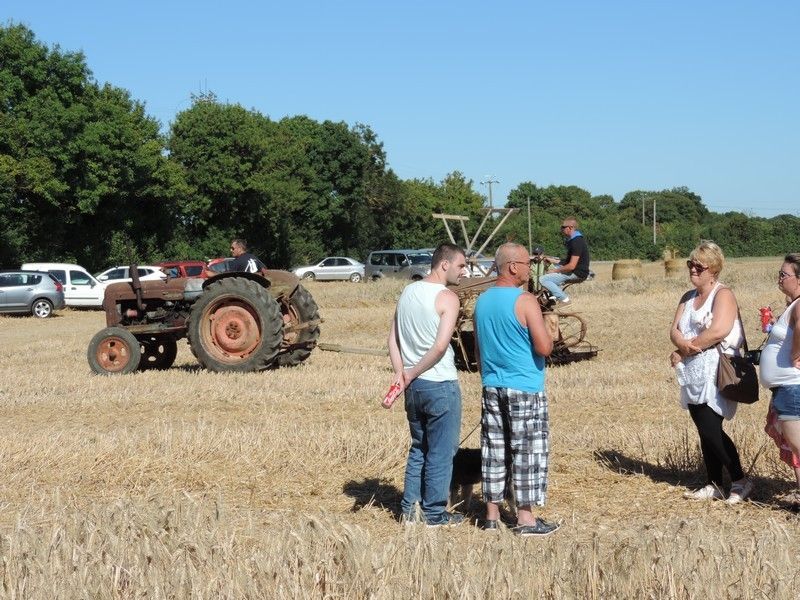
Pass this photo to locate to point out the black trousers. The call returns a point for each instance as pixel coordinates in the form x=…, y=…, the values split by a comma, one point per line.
x=718, y=449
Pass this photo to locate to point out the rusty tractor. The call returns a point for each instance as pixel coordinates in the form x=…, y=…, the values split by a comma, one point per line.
x=233, y=321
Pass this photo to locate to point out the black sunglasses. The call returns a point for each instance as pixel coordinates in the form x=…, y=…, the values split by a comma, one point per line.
x=696, y=266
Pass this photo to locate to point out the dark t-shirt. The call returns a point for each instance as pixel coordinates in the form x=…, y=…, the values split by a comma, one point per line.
x=577, y=247
x=246, y=263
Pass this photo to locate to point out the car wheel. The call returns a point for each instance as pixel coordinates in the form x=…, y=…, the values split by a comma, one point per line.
x=309, y=275
x=355, y=277
x=42, y=308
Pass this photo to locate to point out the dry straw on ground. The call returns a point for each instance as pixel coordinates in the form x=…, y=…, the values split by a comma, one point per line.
x=285, y=484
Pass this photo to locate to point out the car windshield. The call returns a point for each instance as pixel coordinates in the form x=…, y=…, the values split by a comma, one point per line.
x=419, y=259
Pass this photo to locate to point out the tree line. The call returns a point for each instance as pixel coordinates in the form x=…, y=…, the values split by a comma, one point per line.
x=87, y=176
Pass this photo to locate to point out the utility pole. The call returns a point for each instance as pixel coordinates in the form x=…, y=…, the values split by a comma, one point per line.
x=643, y=199
x=654, y=220
x=489, y=181
x=530, y=243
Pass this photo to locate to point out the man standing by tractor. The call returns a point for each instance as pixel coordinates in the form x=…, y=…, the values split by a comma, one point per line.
x=512, y=343
x=424, y=366
x=244, y=262
x=573, y=268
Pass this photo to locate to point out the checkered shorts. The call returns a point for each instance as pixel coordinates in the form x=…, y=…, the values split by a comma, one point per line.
x=514, y=437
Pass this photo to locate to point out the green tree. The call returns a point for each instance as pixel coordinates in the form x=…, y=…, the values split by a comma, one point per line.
x=78, y=161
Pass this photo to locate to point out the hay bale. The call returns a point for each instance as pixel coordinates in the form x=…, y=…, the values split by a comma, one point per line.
x=674, y=266
x=626, y=269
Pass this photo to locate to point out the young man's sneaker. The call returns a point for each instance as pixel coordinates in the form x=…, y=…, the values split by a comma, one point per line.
x=740, y=490
x=446, y=520
x=565, y=300
x=540, y=528
x=709, y=492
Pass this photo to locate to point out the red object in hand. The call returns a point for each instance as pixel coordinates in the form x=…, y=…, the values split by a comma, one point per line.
x=766, y=318
x=391, y=395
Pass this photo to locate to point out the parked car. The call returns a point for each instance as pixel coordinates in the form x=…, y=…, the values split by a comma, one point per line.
x=401, y=264
x=333, y=267
x=184, y=268
x=31, y=292
x=122, y=274
x=80, y=288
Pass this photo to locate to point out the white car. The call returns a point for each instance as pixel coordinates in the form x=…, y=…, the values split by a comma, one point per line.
x=80, y=288
x=122, y=274
x=333, y=267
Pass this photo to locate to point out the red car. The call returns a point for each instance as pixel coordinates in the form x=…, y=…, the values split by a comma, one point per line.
x=184, y=268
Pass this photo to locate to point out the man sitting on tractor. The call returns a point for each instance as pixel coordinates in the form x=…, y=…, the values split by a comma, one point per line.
x=573, y=268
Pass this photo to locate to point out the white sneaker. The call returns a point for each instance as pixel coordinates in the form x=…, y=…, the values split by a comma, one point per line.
x=740, y=490
x=709, y=492
x=565, y=300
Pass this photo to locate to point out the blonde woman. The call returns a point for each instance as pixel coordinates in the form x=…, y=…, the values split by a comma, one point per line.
x=708, y=315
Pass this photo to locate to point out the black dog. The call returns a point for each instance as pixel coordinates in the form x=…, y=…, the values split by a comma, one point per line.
x=466, y=473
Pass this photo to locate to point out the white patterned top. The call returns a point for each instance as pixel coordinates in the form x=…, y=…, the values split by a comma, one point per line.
x=697, y=374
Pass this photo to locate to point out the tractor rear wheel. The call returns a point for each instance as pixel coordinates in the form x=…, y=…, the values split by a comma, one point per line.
x=235, y=325
x=113, y=351
x=298, y=343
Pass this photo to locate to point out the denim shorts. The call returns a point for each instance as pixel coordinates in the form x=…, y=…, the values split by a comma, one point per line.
x=786, y=400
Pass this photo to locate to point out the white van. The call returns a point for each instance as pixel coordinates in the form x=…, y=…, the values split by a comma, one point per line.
x=80, y=288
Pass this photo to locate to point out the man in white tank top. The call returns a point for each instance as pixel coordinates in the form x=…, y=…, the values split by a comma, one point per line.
x=424, y=367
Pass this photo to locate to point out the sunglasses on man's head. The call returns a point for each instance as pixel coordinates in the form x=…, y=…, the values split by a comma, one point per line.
x=696, y=266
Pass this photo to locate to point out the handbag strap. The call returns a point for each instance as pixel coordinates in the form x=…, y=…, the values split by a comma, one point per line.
x=741, y=324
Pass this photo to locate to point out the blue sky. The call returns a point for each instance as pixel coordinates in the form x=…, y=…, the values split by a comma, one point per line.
x=610, y=96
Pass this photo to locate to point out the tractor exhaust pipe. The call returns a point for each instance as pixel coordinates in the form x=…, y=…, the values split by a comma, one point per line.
x=136, y=285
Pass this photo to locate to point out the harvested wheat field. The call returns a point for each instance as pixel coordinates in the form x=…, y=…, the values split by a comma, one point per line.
x=286, y=484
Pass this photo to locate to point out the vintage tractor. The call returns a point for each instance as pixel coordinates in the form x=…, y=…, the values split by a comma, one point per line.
x=233, y=321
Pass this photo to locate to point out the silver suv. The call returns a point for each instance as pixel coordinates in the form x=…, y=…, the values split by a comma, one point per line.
x=401, y=264
x=31, y=292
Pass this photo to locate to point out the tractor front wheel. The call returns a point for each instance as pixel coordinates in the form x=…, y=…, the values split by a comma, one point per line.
x=113, y=351
x=158, y=352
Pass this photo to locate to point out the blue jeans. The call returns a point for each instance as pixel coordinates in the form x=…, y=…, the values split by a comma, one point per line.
x=554, y=281
x=433, y=409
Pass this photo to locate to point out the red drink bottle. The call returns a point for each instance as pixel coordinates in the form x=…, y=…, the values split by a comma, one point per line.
x=766, y=318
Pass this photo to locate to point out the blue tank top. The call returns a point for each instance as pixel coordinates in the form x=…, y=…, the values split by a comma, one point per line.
x=508, y=359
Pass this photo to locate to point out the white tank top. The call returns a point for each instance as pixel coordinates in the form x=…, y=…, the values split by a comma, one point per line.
x=417, y=324
x=697, y=374
x=776, y=367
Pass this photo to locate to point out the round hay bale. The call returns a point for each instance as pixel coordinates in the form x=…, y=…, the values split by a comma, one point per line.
x=674, y=266
x=626, y=269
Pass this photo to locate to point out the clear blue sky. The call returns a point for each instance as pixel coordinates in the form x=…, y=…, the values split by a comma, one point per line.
x=610, y=96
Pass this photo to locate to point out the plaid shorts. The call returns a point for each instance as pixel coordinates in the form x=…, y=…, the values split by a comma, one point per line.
x=514, y=437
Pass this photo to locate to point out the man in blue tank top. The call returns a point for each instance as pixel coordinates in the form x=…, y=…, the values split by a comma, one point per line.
x=512, y=341
x=424, y=366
